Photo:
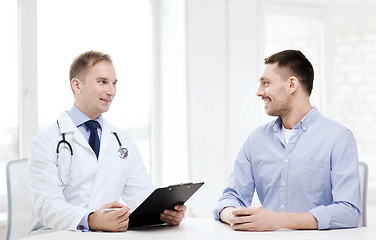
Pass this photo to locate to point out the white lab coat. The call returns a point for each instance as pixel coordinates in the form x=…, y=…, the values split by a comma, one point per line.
x=91, y=183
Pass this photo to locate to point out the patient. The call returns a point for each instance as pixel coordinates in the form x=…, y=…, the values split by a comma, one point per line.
x=303, y=166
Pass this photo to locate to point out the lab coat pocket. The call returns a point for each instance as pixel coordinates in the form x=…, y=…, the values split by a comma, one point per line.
x=117, y=173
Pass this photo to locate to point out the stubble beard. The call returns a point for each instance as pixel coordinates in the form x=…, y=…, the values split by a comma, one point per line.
x=281, y=109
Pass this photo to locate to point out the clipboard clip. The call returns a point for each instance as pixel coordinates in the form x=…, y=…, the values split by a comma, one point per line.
x=181, y=184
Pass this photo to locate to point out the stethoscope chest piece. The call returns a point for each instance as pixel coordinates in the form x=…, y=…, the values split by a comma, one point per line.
x=123, y=152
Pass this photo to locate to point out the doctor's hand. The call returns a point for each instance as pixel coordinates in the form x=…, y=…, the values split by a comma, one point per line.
x=111, y=217
x=174, y=217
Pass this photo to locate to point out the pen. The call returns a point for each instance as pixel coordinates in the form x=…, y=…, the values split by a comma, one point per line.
x=109, y=209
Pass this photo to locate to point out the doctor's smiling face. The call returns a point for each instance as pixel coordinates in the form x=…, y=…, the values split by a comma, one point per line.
x=94, y=92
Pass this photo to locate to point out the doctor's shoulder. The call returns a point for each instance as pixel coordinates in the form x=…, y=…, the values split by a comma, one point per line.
x=43, y=147
x=49, y=134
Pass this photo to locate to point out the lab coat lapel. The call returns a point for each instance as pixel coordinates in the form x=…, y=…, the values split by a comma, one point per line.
x=106, y=140
x=67, y=126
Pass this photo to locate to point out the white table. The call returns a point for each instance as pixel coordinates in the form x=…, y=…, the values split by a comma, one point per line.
x=200, y=228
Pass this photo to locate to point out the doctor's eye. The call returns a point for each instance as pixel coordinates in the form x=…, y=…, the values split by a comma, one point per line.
x=102, y=81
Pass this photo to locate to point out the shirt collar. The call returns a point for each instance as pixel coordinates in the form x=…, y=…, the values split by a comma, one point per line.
x=304, y=124
x=79, y=118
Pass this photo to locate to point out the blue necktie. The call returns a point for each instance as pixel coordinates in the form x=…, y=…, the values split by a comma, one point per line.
x=93, y=139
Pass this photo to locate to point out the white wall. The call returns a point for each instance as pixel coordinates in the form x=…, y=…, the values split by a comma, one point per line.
x=207, y=77
x=27, y=29
x=169, y=131
x=222, y=70
x=215, y=55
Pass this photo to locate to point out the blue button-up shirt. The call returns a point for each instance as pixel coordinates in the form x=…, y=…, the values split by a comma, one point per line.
x=316, y=172
x=79, y=118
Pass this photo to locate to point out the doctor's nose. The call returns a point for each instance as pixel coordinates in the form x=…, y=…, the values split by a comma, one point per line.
x=111, y=90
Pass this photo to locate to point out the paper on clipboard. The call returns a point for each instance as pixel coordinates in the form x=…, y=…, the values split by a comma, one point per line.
x=149, y=211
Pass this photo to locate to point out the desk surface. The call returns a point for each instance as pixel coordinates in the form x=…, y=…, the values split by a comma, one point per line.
x=200, y=228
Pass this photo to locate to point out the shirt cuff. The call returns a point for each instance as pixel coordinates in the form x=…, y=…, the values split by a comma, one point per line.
x=322, y=216
x=223, y=204
x=84, y=223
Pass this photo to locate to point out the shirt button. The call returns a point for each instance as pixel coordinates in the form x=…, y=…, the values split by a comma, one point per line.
x=283, y=184
x=283, y=206
x=286, y=161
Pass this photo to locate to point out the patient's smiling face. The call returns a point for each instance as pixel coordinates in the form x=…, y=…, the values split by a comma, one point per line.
x=273, y=90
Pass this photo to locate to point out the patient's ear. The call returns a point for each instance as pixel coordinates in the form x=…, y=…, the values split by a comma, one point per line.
x=293, y=84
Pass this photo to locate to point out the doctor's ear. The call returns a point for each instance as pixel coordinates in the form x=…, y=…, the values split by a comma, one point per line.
x=75, y=84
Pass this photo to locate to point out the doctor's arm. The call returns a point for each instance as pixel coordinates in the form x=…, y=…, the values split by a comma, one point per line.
x=49, y=204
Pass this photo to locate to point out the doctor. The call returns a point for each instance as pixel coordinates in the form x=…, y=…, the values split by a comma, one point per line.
x=77, y=172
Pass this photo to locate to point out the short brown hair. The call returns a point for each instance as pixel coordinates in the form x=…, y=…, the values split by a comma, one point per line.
x=84, y=61
x=296, y=64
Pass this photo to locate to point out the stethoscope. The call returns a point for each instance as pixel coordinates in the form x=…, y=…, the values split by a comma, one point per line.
x=122, y=152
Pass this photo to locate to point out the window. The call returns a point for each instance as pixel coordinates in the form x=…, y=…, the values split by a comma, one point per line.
x=296, y=32
x=9, y=80
x=354, y=82
x=120, y=28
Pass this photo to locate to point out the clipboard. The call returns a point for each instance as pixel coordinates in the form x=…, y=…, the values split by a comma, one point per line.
x=160, y=199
